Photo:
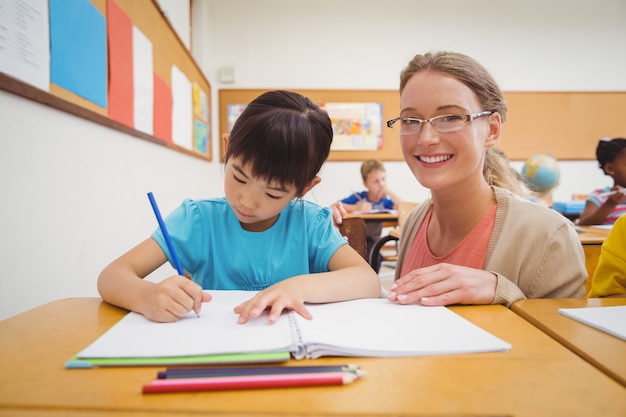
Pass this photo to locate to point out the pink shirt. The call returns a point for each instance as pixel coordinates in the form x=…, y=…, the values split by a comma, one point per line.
x=470, y=252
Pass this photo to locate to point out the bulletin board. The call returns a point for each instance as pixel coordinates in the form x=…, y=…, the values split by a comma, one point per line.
x=567, y=125
x=390, y=103
x=170, y=61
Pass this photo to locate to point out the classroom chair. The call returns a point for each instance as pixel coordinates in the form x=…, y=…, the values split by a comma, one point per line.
x=353, y=229
x=404, y=208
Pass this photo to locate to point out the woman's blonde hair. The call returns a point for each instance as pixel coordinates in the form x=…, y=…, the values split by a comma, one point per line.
x=499, y=173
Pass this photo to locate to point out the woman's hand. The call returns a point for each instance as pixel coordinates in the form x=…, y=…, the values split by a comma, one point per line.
x=444, y=284
x=172, y=298
x=284, y=295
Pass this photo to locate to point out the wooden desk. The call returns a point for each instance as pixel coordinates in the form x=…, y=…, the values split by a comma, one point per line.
x=591, y=238
x=374, y=216
x=606, y=352
x=388, y=219
x=591, y=235
x=538, y=377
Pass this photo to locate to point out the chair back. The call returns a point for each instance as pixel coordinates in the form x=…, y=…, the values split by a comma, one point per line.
x=353, y=228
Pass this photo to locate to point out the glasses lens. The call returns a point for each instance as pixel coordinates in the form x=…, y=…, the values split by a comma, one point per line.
x=408, y=126
x=449, y=123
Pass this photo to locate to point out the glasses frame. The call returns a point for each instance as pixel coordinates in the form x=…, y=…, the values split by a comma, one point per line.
x=468, y=118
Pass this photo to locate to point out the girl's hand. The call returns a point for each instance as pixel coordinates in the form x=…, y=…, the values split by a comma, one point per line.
x=617, y=196
x=172, y=298
x=278, y=297
x=444, y=284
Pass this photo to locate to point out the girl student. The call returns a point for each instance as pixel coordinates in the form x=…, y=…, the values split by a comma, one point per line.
x=606, y=205
x=261, y=236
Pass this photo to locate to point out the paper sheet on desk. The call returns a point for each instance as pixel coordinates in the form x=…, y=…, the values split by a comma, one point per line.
x=215, y=332
x=609, y=319
x=602, y=226
x=377, y=211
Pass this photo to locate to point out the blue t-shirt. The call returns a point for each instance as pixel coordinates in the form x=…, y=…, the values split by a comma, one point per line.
x=220, y=255
x=382, y=204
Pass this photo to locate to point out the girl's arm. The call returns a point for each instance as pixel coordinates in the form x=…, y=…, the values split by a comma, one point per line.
x=350, y=277
x=593, y=214
x=121, y=283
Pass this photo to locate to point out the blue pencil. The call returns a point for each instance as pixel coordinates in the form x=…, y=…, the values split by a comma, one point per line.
x=166, y=235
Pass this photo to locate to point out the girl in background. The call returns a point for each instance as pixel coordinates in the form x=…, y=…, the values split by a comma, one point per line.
x=606, y=205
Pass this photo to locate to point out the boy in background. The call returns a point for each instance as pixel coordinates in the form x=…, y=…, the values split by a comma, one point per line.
x=375, y=197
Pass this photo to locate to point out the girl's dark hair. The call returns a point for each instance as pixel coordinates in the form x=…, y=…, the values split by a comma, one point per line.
x=284, y=136
x=608, y=150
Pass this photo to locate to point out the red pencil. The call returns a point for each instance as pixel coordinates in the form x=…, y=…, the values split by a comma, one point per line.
x=249, y=382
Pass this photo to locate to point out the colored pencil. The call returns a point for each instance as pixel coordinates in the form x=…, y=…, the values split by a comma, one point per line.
x=358, y=196
x=249, y=382
x=250, y=370
x=166, y=235
x=608, y=193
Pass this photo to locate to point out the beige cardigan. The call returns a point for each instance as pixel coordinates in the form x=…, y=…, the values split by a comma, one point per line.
x=534, y=251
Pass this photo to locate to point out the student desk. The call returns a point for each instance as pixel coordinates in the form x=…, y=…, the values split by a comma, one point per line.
x=388, y=219
x=538, y=377
x=382, y=216
x=606, y=352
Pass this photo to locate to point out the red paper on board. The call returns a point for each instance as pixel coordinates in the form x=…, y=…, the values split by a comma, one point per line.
x=162, y=110
x=120, y=33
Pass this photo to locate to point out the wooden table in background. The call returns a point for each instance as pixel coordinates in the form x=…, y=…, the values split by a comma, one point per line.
x=388, y=219
x=605, y=351
x=537, y=377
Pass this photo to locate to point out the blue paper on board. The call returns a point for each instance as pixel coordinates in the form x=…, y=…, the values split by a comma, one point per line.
x=78, y=49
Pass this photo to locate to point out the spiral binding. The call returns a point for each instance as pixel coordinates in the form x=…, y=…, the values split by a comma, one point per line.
x=299, y=350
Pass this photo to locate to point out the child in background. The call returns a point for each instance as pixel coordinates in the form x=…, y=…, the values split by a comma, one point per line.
x=606, y=205
x=375, y=197
x=260, y=236
x=609, y=279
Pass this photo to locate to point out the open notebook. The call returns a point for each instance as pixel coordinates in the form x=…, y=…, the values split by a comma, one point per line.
x=609, y=319
x=368, y=328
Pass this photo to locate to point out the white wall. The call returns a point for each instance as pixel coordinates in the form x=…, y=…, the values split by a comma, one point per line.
x=177, y=13
x=74, y=193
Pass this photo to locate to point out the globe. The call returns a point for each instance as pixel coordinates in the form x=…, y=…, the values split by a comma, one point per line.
x=541, y=173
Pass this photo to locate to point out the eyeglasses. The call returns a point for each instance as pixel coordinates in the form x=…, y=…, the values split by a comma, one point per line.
x=443, y=124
